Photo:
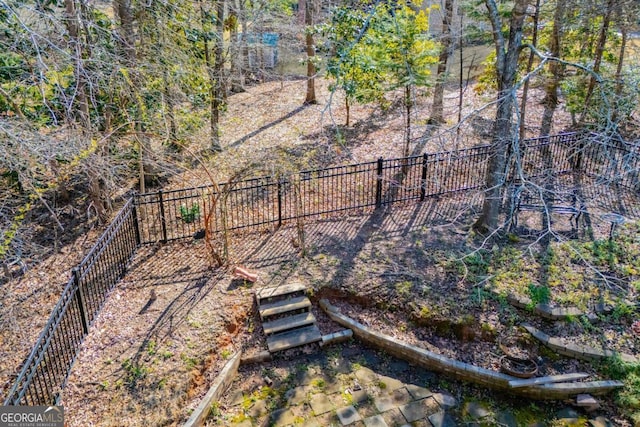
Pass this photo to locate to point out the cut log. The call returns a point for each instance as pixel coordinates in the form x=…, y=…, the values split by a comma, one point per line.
x=245, y=274
x=547, y=380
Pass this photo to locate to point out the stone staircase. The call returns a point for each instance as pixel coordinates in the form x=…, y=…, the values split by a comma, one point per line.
x=286, y=317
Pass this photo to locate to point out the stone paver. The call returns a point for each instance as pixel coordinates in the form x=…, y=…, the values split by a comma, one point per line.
x=367, y=409
x=301, y=411
x=600, y=422
x=418, y=392
x=507, y=419
x=360, y=396
x=333, y=386
x=366, y=375
x=348, y=415
x=394, y=417
x=237, y=397
x=312, y=422
x=375, y=421
x=320, y=404
x=341, y=365
x=258, y=409
x=445, y=400
x=304, y=377
x=297, y=395
x=442, y=419
x=282, y=418
x=390, y=383
x=328, y=420
x=392, y=400
x=476, y=410
x=419, y=409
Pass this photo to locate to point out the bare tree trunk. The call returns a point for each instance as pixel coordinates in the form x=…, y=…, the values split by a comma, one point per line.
x=127, y=40
x=619, y=81
x=347, y=107
x=506, y=67
x=407, y=129
x=218, y=69
x=237, y=78
x=310, y=97
x=437, y=110
x=597, y=60
x=213, y=103
x=525, y=89
x=169, y=104
x=460, y=87
x=550, y=101
x=75, y=47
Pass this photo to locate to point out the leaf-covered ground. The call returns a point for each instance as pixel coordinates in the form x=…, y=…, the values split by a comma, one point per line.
x=151, y=365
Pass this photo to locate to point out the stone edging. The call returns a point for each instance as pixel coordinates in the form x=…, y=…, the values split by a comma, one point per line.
x=575, y=350
x=216, y=391
x=464, y=371
x=547, y=311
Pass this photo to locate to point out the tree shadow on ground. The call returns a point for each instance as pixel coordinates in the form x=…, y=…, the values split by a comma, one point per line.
x=267, y=126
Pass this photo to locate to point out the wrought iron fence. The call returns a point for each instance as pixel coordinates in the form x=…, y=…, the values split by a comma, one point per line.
x=48, y=365
x=172, y=215
x=267, y=201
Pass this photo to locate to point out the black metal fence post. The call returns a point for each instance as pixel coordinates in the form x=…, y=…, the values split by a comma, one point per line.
x=81, y=301
x=163, y=221
x=280, y=201
x=423, y=178
x=134, y=218
x=379, y=183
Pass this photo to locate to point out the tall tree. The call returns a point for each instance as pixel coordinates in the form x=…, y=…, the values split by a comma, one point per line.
x=597, y=60
x=77, y=53
x=219, y=89
x=552, y=81
x=404, y=52
x=507, y=54
x=212, y=65
x=446, y=49
x=310, y=97
x=350, y=63
x=525, y=89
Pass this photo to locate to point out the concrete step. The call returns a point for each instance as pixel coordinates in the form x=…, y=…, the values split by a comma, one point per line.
x=277, y=291
x=284, y=306
x=295, y=338
x=289, y=322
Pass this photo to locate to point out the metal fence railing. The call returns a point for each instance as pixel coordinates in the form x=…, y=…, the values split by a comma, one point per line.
x=266, y=201
x=48, y=365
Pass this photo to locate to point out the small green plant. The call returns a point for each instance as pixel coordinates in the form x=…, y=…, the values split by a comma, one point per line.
x=152, y=348
x=347, y=398
x=404, y=288
x=193, y=323
x=629, y=397
x=104, y=385
x=623, y=310
x=539, y=294
x=214, y=410
x=134, y=372
x=318, y=383
x=190, y=362
x=225, y=353
x=189, y=214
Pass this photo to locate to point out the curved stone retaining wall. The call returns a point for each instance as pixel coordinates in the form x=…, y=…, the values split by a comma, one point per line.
x=464, y=371
x=576, y=351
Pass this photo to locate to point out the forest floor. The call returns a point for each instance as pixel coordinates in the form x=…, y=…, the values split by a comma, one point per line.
x=415, y=272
